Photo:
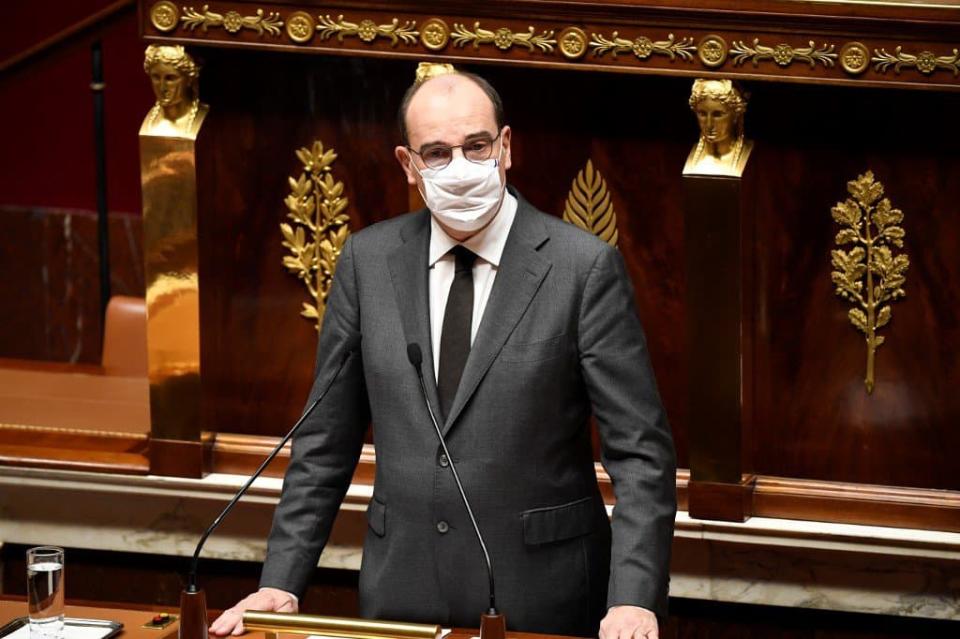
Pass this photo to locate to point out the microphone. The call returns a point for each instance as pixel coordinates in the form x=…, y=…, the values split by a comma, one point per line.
x=492, y=623
x=193, y=604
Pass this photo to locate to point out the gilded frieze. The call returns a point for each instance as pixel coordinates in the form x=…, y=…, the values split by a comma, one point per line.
x=503, y=38
x=782, y=54
x=231, y=21
x=589, y=207
x=368, y=30
x=926, y=62
x=643, y=47
x=869, y=274
x=316, y=205
x=848, y=63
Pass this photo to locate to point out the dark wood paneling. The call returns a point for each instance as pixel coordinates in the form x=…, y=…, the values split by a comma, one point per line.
x=49, y=292
x=815, y=419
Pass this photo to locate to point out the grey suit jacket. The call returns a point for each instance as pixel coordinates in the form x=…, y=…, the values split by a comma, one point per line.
x=559, y=340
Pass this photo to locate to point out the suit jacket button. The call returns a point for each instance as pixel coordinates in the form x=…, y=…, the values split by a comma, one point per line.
x=444, y=461
x=442, y=527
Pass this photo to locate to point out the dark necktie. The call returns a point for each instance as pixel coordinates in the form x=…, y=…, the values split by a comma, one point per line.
x=455, y=336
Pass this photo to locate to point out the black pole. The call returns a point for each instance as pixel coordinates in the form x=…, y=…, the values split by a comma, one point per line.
x=99, y=139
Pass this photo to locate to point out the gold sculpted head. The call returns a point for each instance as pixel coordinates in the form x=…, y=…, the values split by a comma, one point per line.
x=719, y=106
x=174, y=76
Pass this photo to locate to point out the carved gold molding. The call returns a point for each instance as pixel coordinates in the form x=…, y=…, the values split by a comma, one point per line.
x=316, y=204
x=232, y=21
x=589, y=207
x=368, y=30
x=164, y=16
x=712, y=51
x=926, y=62
x=433, y=34
x=783, y=54
x=643, y=47
x=503, y=38
x=854, y=58
x=869, y=274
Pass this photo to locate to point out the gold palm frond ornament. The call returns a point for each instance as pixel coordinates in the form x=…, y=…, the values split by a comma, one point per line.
x=870, y=275
x=316, y=206
x=589, y=206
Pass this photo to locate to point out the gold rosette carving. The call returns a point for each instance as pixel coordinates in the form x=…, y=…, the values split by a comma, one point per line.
x=316, y=205
x=869, y=274
x=368, y=30
x=926, y=62
x=643, y=47
x=589, y=206
x=164, y=16
x=435, y=34
x=783, y=54
x=232, y=21
x=503, y=38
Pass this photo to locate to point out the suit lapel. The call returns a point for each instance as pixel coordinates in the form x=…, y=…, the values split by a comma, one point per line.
x=519, y=276
x=409, y=274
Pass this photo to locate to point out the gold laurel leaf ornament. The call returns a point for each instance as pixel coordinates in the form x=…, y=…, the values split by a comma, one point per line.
x=315, y=206
x=869, y=274
x=589, y=206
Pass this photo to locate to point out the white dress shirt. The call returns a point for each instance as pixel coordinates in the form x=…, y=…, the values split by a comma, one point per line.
x=488, y=246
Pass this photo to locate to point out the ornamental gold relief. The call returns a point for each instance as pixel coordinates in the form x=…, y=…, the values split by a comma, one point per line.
x=854, y=58
x=368, y=30
x=712, y=51
x=503, y=38
x=300, y=27
x=589, y=207
x=870, y=274
x=435, y=34
x=643, y=47
x=783, y=54
x=164, y=16
x=232, y=21
x=572, y=43
x=926, y=62
x=316, y=206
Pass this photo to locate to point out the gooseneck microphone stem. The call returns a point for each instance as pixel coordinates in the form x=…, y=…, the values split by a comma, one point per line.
x=415, y=356
x=192, y=577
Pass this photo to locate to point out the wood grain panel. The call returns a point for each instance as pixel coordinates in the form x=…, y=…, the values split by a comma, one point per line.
x=815, y=418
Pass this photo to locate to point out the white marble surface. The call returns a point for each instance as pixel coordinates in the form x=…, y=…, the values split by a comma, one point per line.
x=762, y=561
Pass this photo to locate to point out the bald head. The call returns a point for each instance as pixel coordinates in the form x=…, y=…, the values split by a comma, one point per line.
x=450, y=91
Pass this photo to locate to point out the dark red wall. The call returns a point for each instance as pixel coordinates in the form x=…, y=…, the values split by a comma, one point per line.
x=46, y=109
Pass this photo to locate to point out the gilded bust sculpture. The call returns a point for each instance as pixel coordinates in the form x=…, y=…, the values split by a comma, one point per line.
x=722, y=150
x=174, y=76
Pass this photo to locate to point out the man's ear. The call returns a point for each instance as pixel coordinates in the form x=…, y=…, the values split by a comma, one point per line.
x=505, y=141
x=406, y=163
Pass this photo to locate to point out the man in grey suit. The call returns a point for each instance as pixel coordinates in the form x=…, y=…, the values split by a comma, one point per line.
x=528, y=326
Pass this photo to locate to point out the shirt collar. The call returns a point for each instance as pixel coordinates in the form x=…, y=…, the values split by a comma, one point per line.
x=487, y=244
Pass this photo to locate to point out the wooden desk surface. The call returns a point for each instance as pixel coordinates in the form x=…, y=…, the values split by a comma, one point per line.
x=133, y=618
x=75, y=398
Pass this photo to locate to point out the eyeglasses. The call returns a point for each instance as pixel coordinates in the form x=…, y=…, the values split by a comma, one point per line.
x=477, y=149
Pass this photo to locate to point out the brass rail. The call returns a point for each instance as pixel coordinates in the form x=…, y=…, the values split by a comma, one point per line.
x=273, y=622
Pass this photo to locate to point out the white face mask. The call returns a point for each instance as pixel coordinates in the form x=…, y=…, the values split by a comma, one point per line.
x=464, y=196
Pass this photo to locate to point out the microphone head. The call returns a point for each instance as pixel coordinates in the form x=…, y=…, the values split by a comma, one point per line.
x=414, y=355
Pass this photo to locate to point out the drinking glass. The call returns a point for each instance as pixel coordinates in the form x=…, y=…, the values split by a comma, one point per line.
x=45, y=592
